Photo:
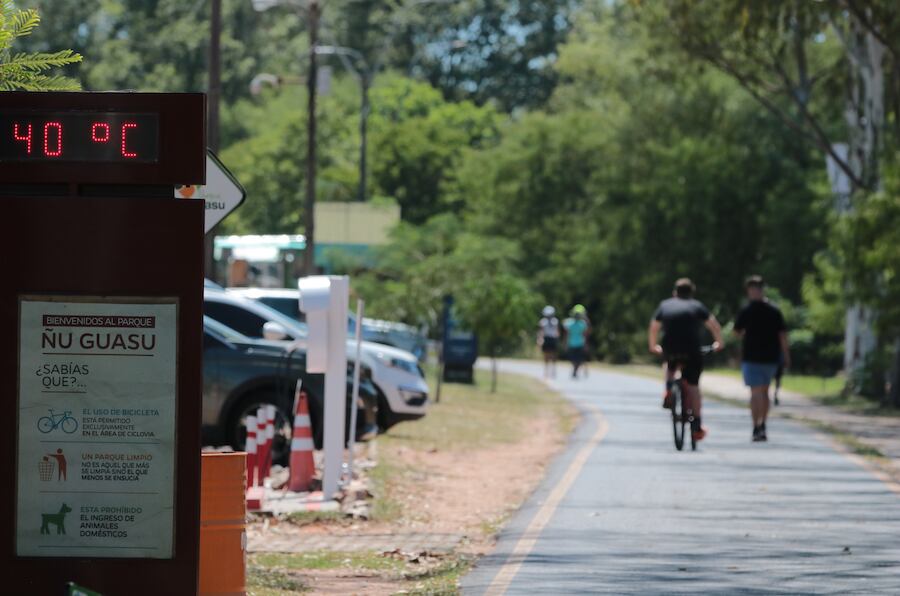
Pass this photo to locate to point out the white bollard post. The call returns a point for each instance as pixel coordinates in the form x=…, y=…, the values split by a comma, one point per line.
x=324, y=301
x=335, y=385
x=270, y=434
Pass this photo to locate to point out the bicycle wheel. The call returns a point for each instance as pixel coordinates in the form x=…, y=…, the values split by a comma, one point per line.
x=678, y=418
x=45, y=425
x=69, y=425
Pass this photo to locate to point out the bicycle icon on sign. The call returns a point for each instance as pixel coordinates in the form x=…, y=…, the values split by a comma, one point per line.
x=65, y=421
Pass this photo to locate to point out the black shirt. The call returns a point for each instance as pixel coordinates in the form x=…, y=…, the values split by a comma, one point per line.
x=681, y=322
x=761, y=322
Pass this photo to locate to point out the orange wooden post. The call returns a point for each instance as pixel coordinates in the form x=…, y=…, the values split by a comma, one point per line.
x=223, y=512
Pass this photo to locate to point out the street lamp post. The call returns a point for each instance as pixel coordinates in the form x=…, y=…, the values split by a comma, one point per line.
x=313, y=10
x=364, y=75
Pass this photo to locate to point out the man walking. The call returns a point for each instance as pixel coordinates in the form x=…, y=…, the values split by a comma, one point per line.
x=765, y=346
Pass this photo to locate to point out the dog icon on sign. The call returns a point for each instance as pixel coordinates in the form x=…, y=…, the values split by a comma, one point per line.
x=55, y=519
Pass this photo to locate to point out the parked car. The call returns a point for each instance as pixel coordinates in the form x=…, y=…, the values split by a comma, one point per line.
x=241, y=374
x=389, y=333
x=402, y=393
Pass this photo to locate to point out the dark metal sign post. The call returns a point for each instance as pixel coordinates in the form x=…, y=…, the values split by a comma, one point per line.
x=101, y=327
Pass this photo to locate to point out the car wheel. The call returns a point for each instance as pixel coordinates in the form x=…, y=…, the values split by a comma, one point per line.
x=384, y=416
x=247, y=406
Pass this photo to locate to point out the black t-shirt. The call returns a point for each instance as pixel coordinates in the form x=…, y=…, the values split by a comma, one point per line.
x=681, y=322
x=761, y=323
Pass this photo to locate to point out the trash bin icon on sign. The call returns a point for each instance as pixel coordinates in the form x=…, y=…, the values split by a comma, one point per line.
x=45, y=469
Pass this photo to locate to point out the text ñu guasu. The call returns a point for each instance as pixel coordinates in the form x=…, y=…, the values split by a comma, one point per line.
x=98, y=340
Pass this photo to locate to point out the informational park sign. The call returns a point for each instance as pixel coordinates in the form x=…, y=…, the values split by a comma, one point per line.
x=97, y=419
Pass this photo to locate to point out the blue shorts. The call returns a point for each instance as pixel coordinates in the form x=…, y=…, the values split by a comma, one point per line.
x=758, y=373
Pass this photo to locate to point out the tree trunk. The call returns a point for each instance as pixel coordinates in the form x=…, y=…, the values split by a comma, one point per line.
x=895, y=376
x=865, y=118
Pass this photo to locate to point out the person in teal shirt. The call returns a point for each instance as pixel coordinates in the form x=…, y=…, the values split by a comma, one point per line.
x=577, y=327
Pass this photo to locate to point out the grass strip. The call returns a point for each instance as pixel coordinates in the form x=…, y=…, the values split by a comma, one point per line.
x=263, y=580
x=272, y=574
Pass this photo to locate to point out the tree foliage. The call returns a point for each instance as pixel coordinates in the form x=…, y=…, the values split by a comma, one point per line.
x=416, y=143
x=498, y=308
x=648, y=169
x=494, y=50
x=29, y=71
x=868, y=244
x=584, y=151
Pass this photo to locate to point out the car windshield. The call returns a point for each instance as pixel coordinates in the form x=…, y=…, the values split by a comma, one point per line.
x=295, y=328
x=225, y=331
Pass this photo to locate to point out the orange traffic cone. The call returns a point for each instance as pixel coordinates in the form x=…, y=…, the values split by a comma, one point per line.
x=302, y=465
x=251, y=451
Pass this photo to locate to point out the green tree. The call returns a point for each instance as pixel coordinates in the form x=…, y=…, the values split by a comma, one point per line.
x=646, y=169
x=492, y=297
x=29, y=71
x=269, y=152
x=414, y=272
x=868, y=246
x=162, y=45
x=418, y=141
x=499, y=308
x=500, y=51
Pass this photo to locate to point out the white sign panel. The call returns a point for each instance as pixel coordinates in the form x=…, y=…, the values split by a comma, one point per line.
x=96, y=420
x=222, y=192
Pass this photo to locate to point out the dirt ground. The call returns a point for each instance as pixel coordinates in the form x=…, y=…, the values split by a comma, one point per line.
x=434, y=489
x=474, y=490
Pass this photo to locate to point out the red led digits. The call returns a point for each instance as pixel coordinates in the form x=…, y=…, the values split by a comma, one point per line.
x=103, y=137
x=125, y=127
x=73, y=137
x=20, y=137
x=58, y=151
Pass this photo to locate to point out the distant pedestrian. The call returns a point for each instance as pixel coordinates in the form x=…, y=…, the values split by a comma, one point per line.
x=765, y=348
x=548, y=339
x=577, y=327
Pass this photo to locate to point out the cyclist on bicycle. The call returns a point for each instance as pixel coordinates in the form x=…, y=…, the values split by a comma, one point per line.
x=680, y=318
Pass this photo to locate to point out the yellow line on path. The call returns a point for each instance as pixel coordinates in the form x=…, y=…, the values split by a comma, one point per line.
x=531, y=534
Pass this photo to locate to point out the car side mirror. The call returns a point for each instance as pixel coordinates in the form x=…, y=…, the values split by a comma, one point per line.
x=274, y=331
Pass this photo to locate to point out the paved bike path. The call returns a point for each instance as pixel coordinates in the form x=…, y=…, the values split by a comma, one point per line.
x=792, y=516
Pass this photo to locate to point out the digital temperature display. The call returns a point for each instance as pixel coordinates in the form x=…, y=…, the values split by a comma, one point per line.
x=111, y=137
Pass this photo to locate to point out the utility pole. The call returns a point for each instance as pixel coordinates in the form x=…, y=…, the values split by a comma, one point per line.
x=313, y=14
x=363, y=134
x=212, y=110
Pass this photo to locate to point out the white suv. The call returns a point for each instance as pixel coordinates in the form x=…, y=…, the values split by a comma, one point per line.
x=403, y=392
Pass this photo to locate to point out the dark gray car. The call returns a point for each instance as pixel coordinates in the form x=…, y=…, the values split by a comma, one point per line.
x=241, y=374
